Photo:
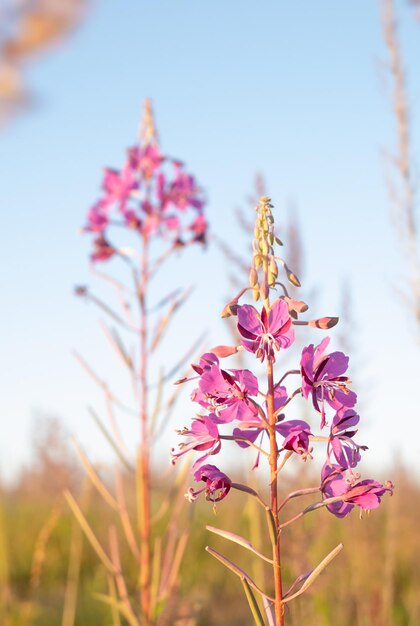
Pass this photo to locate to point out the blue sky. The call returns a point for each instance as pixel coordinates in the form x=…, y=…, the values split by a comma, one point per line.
x=293, y=90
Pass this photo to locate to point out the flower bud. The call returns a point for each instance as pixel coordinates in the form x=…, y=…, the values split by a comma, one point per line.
x=324, y=323
x=253, y=277
x=271, y=279
x=224, y=351
x=256, y=293
x=264, y=290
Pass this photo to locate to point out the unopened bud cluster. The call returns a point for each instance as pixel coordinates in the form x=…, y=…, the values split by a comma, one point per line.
x=264, y=271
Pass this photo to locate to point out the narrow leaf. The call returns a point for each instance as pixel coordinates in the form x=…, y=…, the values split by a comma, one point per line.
x=119, y=606
x=236, y=570
x=239, y=540
x=253, y=605
x=269, y=611
x=118, y=345
x=315, y=573
x=110, y=440
x=164, y=321
x=96, y=481
x=90, y=535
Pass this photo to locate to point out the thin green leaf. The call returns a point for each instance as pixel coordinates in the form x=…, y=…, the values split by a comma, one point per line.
x=96, y=481
x=116, y=621
x=271, y=526
x=90, y=535
x=236, y=570
x=315, y=573
x=239, y=540
x=164, y=321
x=253, y=605
x=110, y=440
x=156, y=569
x=119, y=606
x=269, y=611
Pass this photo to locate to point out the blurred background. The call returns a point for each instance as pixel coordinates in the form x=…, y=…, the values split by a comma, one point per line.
x=316, y=104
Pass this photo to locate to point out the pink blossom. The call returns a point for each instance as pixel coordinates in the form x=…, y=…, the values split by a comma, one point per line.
x=183, y=191
x=365, y=493
x=204, y=436
x=226, y=393
x=145, y=159
x=97, y=217
x=262, y=334
x=119, y=185
x=322, y=378
x=296, y=436
x=199, y=227
x=217, y=484
x=102, y=250
x=341, y=444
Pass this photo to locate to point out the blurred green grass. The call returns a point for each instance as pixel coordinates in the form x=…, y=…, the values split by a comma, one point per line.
x=374, y=580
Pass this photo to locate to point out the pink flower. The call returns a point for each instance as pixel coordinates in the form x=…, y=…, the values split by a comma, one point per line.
x=341, y=444
x=296, y=436
x=262, y=334
x=366, y=494
x=97, y=217
x=204, y=436
x=118, y=186
x=322, y=378
x=226, y=393
x=183, y=191
x=102, y=250
x=145, y=159
x=199, y=228
x=217, y=484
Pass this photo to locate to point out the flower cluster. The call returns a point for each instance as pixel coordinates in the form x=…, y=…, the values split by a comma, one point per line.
x=152, y=193
x=237, y=409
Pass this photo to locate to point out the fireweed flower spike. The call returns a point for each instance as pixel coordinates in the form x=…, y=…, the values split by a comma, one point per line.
x=152, y=194
x=155, y=204
x=240, y=408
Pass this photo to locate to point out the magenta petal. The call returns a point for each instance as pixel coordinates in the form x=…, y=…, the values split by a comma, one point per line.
x=278, y=316
x=249, y=320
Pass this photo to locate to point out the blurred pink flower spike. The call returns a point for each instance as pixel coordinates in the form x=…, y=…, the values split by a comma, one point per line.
x=151, y=195
x=265, y=333
x=366, y=494
x=322, y=378
x=217, y=484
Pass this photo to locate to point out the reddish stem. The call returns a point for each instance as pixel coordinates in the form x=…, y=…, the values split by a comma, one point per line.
x=274, y=496
x=143, y=462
